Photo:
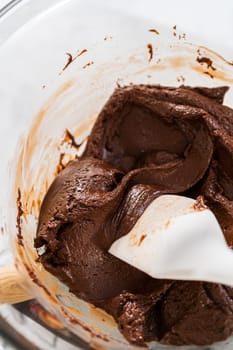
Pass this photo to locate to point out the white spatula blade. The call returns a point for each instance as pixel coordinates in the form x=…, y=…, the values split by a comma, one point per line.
x=176, y=239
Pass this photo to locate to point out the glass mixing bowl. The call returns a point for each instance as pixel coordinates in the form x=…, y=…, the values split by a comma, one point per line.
x=72, y=102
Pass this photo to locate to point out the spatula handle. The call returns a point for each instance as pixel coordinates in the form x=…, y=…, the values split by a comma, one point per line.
x=11, y=286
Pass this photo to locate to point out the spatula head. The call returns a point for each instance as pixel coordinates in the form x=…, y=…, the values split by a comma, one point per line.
x=175, y=238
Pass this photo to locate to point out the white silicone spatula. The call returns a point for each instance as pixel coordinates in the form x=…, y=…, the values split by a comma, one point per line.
x=175, y=238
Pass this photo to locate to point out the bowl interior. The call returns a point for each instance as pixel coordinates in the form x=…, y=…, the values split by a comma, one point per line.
x=72, y=102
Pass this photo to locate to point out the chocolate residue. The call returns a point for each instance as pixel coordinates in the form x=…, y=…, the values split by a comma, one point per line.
x=69, y=60
x=60, y=165
x=200, y=205
x=88, y=64
x=142, y=239
x=214, y=53
x=107, y=37
x=209, y=74
x=69, y=139
x=154, y=31
x=72, y=59
x=207, y=61
x=150, y=50
x=76, y=322
x=174, y=30
x=182, y=36
x=181, y=78
x=80, y=53
x=18, y=218
x=118, y=84
x=34, y=279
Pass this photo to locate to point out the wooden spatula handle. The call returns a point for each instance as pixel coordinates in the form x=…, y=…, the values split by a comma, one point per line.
x=11, y=290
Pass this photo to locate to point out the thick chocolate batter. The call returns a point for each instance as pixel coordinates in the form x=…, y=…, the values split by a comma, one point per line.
x=147, y=141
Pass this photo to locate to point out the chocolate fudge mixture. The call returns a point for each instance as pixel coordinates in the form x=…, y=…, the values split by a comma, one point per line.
x=147, y=141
